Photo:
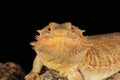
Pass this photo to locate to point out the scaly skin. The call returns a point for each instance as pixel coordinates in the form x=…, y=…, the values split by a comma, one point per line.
x=62, y=47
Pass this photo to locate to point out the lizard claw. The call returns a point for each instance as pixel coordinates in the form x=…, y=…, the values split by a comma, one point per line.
x=31, y=76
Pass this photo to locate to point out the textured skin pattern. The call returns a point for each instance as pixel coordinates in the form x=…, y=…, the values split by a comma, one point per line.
x=63, y=47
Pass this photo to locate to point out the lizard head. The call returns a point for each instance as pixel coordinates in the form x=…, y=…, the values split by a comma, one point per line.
x=60, y=30
x=63, y=40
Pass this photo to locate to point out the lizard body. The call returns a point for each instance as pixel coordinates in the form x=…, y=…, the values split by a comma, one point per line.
x=63, y=47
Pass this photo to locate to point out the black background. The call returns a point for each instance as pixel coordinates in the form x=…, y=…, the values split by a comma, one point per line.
x=20, y=20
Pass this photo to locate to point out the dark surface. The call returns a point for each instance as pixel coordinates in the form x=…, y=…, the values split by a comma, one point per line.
x=11, y=71
x=20, y=20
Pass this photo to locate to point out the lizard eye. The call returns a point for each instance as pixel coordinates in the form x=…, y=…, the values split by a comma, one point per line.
x=49, y=29
x=72, y=29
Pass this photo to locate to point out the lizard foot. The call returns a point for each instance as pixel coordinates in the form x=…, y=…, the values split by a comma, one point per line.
x=31, y=76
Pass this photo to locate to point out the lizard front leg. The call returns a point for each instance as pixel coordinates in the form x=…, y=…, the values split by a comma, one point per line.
x=37, y=66
x=74, y=75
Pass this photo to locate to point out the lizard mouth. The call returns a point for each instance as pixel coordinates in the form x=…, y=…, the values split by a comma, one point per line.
x=60, y=44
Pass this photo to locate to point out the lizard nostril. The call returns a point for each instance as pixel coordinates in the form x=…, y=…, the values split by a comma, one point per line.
x=72, y=28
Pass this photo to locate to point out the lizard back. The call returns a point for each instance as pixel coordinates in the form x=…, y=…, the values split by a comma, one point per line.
x=103, y=58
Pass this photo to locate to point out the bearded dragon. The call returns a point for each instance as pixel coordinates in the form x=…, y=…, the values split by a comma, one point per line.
x=64, y=48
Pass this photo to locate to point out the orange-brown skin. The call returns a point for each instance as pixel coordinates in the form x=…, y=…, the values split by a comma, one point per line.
x=62, y=47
